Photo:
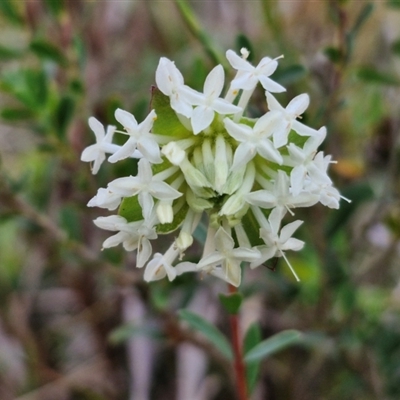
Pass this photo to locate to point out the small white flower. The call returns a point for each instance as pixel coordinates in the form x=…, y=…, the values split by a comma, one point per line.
x=170, y=81
x=133, y=235
x=254, y=140
x=280, y=196
x=305, y=163
x=105, y=198
x=139, y=137
x=293, y=110
x=249, y=75
x=275, y=243
x=161, y=266
x=225, y=261
x=97, y=152
x=208, y=102
x=145, y=186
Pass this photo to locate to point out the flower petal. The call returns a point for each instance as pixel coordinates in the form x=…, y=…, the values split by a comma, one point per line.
x=298, y=105
x=238, y=62
x=201, y=118
x=126, y=119
x=214, y=82
x=270, y=85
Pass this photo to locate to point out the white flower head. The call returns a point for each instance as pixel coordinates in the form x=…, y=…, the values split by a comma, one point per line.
x=225, y=261
x=133, y=235
x=276, y=243
x=289, y=116
x=207, y=103
x=211, y=164
x=145, y=186
x=140, y=137
x=105, y=198
x=249, y=75
x=170, y=81
x=254, y=140
x=97, y=152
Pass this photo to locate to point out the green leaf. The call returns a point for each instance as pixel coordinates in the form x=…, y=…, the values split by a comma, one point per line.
x=334, y=54
x=7, y=53
x=70, y=222
x=55, y=6
x=393, y=3
x=16, y=114
x=396, y=47
x=46, y=50
x=231, y=302
x=167, y=123
x=272, y=345
x=130, y=209
x=291, y=74
x=8, y=9
x=372, y=76
x=362, y=17
x=252, y=339
x=63, y=115
x=212, y=333
x=28, y=86
x=126, y=331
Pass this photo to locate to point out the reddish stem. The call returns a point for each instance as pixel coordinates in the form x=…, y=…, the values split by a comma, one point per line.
x=240, y=370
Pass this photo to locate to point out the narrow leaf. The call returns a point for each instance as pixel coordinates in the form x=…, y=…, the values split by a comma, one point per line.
x=231, y=302
x=252, y=339
x=362, y=17
x=16, y=114
x=46, y=50
x=63, y=115
x=7, y=53
x=7, y=8
x=126, y=331
x=212, y=333
x=393, y=3
x=291, y=74
x=334, y=54
x=396, y=47
x=55, y=6
x=371, y=75
x=272, y=345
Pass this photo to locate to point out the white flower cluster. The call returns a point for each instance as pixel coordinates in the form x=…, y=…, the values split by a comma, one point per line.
x=198, y=154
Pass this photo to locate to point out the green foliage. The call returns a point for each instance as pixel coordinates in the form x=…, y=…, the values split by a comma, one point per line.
x=8, y=53
x=231, y=302
x=372, y=76
x=47, y=51
x=291, y=74
x=127, y=331
x=251, y=340
x=270, y=346
x=9, y=11
x=211, y=332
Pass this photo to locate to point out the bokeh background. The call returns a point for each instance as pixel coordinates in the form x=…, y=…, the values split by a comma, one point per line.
x=77, y=323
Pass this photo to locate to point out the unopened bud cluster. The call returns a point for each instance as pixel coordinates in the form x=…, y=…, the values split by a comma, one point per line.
x=199, y=155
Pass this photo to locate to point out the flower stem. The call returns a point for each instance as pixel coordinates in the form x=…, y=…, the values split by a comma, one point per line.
x=240, y=370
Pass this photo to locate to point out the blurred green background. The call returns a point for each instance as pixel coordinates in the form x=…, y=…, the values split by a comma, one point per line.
x=77, y=323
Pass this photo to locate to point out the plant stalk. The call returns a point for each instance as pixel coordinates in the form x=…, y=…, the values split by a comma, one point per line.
x=239, y=366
